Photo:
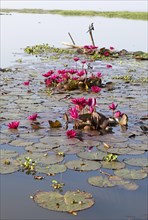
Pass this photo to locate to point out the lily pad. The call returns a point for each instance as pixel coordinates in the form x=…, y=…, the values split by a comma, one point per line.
x=98, y=155
x=141, y=162
x=131, y=174
x=83, y=165
x=101, y=181
x=69, y=149
x=38, y=147
x=69, y=202
x=7, y=154
x=113, y=165
x=51, y=159
x=124, y=150
x=21, y=143
x=51, y=169
x=8, y=166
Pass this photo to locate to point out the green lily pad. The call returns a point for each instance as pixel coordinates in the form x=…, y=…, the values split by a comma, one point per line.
x=124, y=150
x=106, y=181
x=113, y=165
x=7, y=154
x=38, y=147
x=21, y=143
x=69, y=149
x=83, y=165
x=8, y=166
x=69, y=202
x=34, y=156
x=131, y=174
x=142, y=147
x=98, y=155
x=51, y=169
x=141, y=162
x=51, y=159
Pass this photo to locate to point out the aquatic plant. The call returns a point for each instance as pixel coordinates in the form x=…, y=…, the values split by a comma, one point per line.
x=13, y=125
x=33, y=117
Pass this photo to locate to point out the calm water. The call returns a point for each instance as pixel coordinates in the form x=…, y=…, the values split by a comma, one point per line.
x=21, y=30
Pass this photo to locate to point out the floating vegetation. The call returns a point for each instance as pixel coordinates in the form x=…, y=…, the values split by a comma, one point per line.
x=75, y=119
x=69, y=202
x=111, y=181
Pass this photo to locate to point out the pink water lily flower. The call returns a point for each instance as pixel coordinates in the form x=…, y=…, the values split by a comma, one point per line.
x=91, y=102
x=99, y=75
x=113, y=106
x=79, y=102
x=61, y=72
x=111, y=48
x=83, y=61
x=108, y=66
x=81, y=73
x=33, y=117
x=71, y=71
x=13, y=125
x=95, y=89
x=106, y=54
x=49, y=73
x=118, y=114
x=73, y=113
x=26, y=83
x=76, y=59
x=71, y=133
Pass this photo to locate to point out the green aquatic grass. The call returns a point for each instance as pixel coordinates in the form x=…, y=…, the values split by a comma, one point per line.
x=109, y=14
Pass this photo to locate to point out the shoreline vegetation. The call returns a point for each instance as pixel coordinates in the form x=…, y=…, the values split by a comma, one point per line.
x=108, y=14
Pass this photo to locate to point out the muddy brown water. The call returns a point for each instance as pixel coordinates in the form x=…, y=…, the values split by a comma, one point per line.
x=115, y=203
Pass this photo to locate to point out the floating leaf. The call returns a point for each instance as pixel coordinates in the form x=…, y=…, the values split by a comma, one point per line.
x=131, y=174
x=55, y=124
x=7, y=154
x=124, y=150
x=124, y=120
x=106, y=182
x=51, y=159
x=51, y=169
x=69, y=202
x=114, y=165
x=38, y=147
x=21, y=143
x=83, y=165
x=98, y=155
x=141, y=162
x=8, y=166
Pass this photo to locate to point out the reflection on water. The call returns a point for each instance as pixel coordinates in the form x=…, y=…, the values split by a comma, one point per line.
x=21, y=30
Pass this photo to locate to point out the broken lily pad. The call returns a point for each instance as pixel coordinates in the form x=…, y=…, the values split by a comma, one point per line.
x=98, y=155
x=69, y=202
x=8, y=166
x=51, y=169
x=131, y=174
x=7, y=154
x=83, y=165
x=141, y=162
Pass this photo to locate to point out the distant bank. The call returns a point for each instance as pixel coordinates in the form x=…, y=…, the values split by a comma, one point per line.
x=109, y=14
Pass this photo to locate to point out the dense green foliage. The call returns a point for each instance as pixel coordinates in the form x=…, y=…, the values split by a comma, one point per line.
x=109, y=14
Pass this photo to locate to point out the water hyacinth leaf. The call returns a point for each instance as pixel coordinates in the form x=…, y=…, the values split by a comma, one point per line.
x=113, y=165
x=51, y=169
x=55, y=124
x=83, y=165
x=7, y=154
x=8, y=166
x=141, y=162
x=92, y=155
x=131, y=174
x=69, y=202
x=21, y=143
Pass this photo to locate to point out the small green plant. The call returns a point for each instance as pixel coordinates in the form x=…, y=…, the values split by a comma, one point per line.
x=57, y=185
x=110, y=157
x=28, y=165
